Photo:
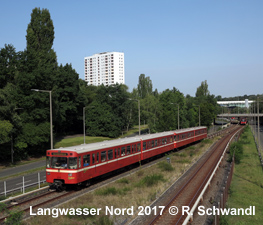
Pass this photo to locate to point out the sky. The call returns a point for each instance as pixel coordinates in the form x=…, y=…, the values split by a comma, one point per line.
x=177, y=43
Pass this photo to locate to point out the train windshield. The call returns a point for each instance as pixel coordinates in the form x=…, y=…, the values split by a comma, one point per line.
x=59, y=162
x=48, y=162
x=73, y=163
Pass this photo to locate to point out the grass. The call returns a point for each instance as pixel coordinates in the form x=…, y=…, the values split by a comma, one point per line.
x=247, y=184
x=21, y=163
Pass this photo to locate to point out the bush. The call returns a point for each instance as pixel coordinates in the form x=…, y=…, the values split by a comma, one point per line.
x=183, y=161
x=165, y=166
x=3, y=207
x=237, y=149
x=124, y=190
x=150, y=180
x=181, y=154
x=123, y=181
x=107, y=191
x=207, y=141
x=14, y=218
x=192, y=153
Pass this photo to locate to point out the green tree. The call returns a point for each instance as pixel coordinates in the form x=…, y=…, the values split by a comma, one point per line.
x=144, y=86
x=168, y=109
x=202, y=90
x=207, y=103
x=37, y=70
x=5, y=131
x=107, y=114
x=9, y=59
x=65, y=95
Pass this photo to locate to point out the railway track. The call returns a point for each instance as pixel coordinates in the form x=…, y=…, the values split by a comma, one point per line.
x=187, y=193
x=34, y=202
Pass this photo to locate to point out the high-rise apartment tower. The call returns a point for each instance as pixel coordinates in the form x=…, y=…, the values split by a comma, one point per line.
x=104, y=68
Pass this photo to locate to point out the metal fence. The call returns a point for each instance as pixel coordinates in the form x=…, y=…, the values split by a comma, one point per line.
x=22, y=189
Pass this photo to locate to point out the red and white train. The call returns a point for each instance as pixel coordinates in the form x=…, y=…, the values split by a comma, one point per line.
x=243, y=121
x=79, y=164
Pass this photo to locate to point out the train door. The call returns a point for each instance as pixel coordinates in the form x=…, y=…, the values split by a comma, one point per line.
x=95, y=161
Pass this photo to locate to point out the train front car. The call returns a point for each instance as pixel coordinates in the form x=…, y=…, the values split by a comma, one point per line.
x=61, y=168
x=243, y=121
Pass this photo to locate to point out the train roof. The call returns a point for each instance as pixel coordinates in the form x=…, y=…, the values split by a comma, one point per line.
x=122, y=141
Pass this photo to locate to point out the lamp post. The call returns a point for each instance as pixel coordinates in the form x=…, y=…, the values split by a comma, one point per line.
x=199, y=114
x=51, y=126
x=177, y=115
x=258, y=125
x=138, y=113
x=84, y=132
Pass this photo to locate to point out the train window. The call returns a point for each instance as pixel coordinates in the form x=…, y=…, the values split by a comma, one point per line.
x=59, y=162
x=118, y=151
x=123, y=151
x=98, y=157
x=103, y=156
x=171, y=140
x=86, y=160
x=152, y=143
x=132, y=150
x=163, y=141
x=128, y=150
x=93, y=159
x=115, y=151
x=138, y=147
x=48, y=162
x=144, y=145
x=73, y=163
x=79, y=162
x=110, y=154
x=156, y=142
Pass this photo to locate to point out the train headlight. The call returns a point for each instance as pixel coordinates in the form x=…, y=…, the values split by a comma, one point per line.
x=70, y=174
x=48, y=173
